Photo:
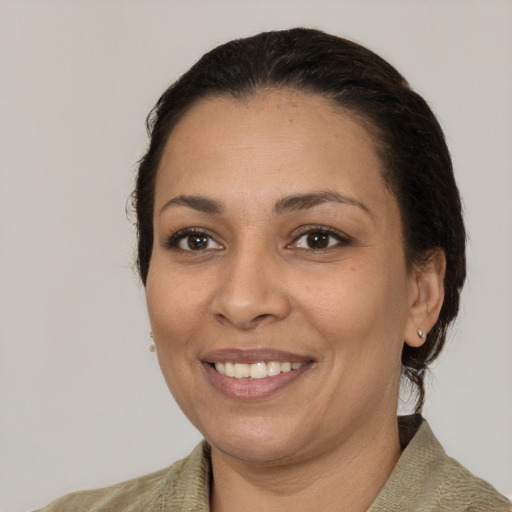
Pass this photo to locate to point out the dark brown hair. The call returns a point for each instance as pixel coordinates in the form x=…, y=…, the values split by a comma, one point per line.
x=416, y=161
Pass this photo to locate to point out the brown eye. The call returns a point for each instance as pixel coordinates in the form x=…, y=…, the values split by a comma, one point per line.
x=187, y=240
x=317, y=240
x=196, y=242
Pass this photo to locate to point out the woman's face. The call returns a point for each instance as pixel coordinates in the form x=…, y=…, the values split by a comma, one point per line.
x=278, y=254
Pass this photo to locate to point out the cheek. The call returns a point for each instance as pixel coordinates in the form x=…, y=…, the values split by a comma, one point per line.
x=364, y=303
x=176, y=306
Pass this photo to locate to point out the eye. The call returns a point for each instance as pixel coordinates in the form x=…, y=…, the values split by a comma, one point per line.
x=191, y=240
x=318, y=239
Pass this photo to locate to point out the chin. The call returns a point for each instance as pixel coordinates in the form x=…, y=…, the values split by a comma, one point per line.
x=258, y=443
x=250, y=452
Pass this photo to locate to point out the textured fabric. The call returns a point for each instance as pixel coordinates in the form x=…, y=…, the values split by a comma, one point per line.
x=183, y=487
x=425, y=479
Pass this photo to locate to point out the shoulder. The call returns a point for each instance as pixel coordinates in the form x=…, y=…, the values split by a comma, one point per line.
x=459, y=486
x=141, y=490
x=426, y=479
x=456, y=488
x=185, y=481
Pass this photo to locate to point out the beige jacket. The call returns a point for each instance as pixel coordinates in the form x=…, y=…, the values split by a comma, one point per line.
x=424, y=479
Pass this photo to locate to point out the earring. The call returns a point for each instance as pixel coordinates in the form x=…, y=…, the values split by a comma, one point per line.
x=422, y=335
x=151, y=347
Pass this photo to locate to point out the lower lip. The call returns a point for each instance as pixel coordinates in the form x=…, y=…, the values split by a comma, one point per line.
x=253, y=389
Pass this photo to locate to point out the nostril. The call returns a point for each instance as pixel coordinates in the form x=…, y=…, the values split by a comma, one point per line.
x=242, y=321
x=261, y=317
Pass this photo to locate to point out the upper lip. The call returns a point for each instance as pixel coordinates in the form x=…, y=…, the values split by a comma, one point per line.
x=255, y=355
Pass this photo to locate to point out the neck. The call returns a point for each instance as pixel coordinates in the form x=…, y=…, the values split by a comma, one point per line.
x=346, y=477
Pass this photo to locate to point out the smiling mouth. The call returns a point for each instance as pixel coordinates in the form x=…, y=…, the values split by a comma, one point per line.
x=258, y=370
x=255, y=380
x=254, y=374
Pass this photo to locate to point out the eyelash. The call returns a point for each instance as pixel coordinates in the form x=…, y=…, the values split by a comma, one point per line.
x=173, y=241
x=341, y=239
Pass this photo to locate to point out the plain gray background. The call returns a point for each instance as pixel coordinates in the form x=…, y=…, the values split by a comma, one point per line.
x=83, y=403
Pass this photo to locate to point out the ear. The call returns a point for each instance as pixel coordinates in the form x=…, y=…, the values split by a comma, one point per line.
x=426, y=297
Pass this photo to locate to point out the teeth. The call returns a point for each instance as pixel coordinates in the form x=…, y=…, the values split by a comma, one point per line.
x=257, y=370
x=229, y=369
x=241, y=370
x=273, y=368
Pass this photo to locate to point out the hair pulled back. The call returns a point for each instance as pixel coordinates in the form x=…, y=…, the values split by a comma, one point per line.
x=410, y=142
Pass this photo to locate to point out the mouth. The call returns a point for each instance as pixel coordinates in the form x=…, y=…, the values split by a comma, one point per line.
x=254, y=374
x=259, y=370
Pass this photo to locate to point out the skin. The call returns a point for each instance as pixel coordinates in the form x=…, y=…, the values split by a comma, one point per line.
x=329, y=439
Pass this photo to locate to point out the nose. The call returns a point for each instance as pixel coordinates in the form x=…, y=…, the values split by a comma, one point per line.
x=251, y=290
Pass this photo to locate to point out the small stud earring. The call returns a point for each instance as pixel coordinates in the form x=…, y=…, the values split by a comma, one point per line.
x=151, y=347
x=422, y=335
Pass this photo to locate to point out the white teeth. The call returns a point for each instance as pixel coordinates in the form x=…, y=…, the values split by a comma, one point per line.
x=257, y=370
x=241, y=370
x=229, y=369
x=273, y=368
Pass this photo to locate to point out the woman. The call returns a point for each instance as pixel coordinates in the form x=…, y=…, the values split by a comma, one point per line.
x=302, y=247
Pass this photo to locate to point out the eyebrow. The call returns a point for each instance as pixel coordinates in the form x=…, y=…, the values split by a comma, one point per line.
x=287, y=204
x=306, y=201
x=199, y=203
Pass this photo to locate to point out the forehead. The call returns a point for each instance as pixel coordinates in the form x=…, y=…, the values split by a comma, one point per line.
x=272, y=140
